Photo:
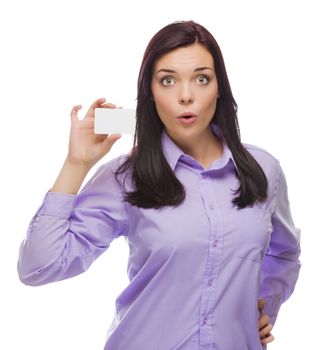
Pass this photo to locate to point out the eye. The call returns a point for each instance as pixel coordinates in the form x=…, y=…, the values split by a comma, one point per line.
x=164, y=79
x=204, y=78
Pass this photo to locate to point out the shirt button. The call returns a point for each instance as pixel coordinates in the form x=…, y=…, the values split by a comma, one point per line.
x=210, y=282
x=215, y=243
x=205, y=320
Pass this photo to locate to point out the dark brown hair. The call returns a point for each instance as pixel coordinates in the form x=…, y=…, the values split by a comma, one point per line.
x=156, y=185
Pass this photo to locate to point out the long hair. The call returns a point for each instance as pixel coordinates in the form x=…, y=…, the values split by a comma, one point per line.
x=156, y=185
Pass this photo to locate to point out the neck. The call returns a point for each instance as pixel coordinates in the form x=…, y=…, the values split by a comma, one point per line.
x=204, y=149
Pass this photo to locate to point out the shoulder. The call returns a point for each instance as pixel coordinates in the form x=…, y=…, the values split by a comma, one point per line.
x=109, y=169
x=269, y=163
x=114, y=164
x=105, y=174
x=262, y=155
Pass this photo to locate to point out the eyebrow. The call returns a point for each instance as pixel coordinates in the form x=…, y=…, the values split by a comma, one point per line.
x=173, y=71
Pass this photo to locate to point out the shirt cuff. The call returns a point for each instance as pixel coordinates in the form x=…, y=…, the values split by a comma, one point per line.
x=58, y=204
x=271, y=308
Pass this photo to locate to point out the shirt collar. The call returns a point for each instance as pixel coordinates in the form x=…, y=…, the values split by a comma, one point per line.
x=173, y=152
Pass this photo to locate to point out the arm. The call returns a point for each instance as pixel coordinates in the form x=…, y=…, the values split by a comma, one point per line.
x=281, y=265
x=69, y=231
x=70, y=178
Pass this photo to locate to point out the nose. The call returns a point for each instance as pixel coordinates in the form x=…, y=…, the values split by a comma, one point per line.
x=186, y=95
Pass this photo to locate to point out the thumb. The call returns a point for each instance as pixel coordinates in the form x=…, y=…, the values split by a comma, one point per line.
x=110, y=140
x=114, y=137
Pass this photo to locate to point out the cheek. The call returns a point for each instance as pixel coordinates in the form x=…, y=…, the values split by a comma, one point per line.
x=162, y=101
x=210, y=92
x=210, y=98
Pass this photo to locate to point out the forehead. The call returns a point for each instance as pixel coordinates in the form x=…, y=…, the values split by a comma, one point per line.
x=187, y=57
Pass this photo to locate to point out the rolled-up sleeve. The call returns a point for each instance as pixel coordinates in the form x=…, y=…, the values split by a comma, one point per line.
x=68, y=232
x=281, y=265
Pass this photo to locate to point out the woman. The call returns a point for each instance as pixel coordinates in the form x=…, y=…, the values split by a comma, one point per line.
x=207, y=270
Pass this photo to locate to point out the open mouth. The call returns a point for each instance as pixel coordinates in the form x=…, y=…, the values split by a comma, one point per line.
x=187, y=119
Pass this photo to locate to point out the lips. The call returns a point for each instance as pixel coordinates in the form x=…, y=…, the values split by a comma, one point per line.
x=187, y=115
x=187, y=118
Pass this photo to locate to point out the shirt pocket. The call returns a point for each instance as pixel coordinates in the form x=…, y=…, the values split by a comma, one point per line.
x=251, y=234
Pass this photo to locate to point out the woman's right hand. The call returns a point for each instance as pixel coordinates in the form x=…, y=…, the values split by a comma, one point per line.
x=85, y=147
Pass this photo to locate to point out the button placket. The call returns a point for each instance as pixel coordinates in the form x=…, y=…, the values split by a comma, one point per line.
x=208, y=297
x=215, y=243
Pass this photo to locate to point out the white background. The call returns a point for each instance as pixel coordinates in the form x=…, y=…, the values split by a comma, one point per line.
x=55, y=54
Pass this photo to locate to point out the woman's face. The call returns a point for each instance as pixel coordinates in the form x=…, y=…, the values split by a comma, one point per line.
x=181, y=84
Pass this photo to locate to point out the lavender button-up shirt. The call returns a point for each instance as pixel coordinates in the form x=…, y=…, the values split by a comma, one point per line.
x=195, y=271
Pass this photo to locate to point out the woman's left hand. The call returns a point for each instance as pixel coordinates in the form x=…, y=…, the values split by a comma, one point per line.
x=264, y=325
